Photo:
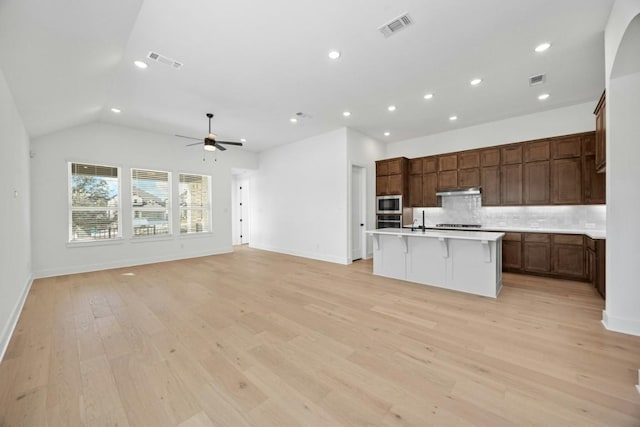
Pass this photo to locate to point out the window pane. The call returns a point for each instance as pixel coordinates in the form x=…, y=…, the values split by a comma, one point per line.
x=194, y=221
x=94, y=224
x=94, y=190
x=194, y=191
x=150, y=188
x=150, y=222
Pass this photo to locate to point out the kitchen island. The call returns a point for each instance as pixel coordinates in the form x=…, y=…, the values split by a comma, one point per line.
x=466, y=261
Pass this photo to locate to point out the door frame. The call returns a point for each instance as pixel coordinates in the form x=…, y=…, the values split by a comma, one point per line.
x=363, y=211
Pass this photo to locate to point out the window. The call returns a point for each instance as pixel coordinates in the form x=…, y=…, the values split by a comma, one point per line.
x=194, y=203
x=94, y=212
x=150, y=195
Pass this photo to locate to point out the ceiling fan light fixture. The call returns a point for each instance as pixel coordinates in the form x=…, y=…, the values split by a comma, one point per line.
x=209, y=145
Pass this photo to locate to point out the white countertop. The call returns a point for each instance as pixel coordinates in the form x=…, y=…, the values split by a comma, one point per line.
x=589, y=232
x=447, y=234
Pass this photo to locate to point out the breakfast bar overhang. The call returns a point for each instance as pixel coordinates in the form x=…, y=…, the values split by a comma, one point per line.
x=465, y=261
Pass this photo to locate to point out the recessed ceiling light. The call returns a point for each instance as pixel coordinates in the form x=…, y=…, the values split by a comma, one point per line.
x=115, y=110
x=475, y=82
x=243, y=140
x=453, y=118
x=387, y=133
x=293, y=120
x=543, y=96
x=140, y=64
x=542, y=47
x=428, y=96
x=391, y=108
x=346, y=113
x=334, y=54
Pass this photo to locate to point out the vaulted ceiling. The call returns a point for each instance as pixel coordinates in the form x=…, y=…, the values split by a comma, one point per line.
x=255, y=64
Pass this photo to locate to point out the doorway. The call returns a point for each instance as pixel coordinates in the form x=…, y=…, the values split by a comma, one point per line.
x=358, y=212
x=240, y=210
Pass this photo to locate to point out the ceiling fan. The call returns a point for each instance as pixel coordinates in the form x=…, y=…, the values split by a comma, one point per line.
x=210, y=141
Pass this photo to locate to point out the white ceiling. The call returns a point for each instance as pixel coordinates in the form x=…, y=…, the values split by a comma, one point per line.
x=254, y=64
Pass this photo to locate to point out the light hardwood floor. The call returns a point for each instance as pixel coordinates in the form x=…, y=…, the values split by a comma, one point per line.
x=257, y=338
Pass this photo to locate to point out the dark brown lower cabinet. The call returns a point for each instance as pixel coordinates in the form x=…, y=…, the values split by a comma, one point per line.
x=595, y=264
x=568, y=255
x=537, y=253
x=512, y=252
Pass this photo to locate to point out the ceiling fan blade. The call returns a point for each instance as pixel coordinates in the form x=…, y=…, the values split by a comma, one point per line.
x=189, y=137
x=230, y=143
x=195, y=143
x=219, y=147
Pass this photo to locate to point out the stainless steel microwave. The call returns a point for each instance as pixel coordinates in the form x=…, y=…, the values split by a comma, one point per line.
x=386, y=205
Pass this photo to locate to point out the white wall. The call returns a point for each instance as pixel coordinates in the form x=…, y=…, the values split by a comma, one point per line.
x=622, y=45
x=561, y=121
x=299, y=198
x=364, y=151
x=15, y=244
x=128, y=148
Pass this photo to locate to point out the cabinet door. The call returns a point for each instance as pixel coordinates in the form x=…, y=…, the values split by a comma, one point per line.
x=490, y=157
x=395, y=184
x=591, y=267
x=382, y=168
x=536, y=183
x=512, y=154
x=396, y=166
x=469, y=178
x=511, y=184
x=415, y=191
x=415, y=166
x=536, y=151
x=537, y=257
x=447, y=180
x=601, y=247
x=601, y=134
x=448, y=162
x=512, y=252
x=566, y=147
x=566, y=181
x=469, y=159
x=593, y=182
x=429, y=164
x=382, y=185
x=568, y=260
x=490, y=183
x=429, y=188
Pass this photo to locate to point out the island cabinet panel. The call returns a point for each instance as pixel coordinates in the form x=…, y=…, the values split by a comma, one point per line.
x=415, y=191
x=469, y=178
x=601, y=134
x=537, y=253
x=512, y=154
x=429, y=189
x=536, y=151
x=448, y=162
x=490, y=183
x=511, y=184
x=396, y=166
x=566, y=181
x=395, y=185
x=569, y=255
x=415, y=166
x=447, y=180
x=536, y=183
x=469, y=159
x=490, y=157
x=512, y=252
x=430, y=164
x=566, y=147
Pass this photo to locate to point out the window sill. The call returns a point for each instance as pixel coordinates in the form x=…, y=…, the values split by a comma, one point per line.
x=86, y=243
x=160, y=238
x=196, y=235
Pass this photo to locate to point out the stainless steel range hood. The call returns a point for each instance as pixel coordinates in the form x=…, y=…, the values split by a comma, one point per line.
x=460, y=192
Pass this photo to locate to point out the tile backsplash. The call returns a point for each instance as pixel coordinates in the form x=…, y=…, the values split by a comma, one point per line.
x=469, y=210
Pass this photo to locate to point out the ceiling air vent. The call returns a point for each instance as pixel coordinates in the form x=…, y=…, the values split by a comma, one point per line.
x=164, y=60
x=537, y=80
x=396, y=25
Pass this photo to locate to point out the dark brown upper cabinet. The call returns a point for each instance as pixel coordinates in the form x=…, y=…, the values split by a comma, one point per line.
x=469, y=159
x=469, y=178
x=415, y=190
x=601, y=134
x=415, y=166
x=490, y=183
x=536, y=183
x=429, y=189
x=490, y=157
x=447, y=180
x=511, y=184
x=536, y=151
x=512, y=154
x=448, y=162
x=566, y=181
x=593, y=183
x=429, y=164
x=396, y=166
x=566, y=147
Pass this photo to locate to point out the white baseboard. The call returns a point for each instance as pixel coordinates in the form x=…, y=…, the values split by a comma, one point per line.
x=126, y=263
x=8, y=329
x=619, y=324
x=310, y=255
